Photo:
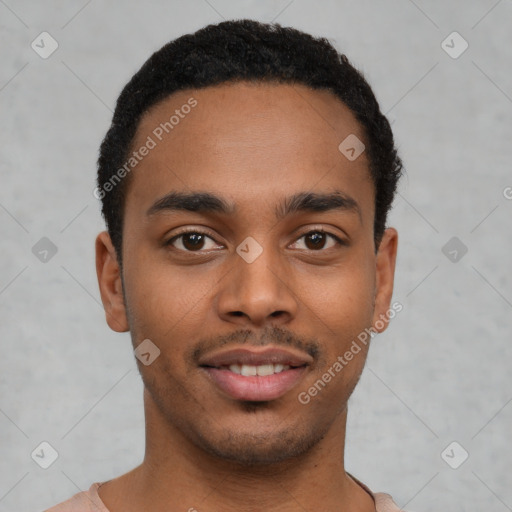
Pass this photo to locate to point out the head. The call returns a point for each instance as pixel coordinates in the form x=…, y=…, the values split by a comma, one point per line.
x=233, y=134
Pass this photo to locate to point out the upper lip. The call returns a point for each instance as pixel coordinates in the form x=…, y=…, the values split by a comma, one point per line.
x=255, y=357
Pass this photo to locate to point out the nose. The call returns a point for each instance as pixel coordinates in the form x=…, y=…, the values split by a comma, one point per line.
x=258, y=292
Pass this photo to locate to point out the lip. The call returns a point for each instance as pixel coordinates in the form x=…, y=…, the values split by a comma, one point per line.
x=256, y=357
x=255, y=388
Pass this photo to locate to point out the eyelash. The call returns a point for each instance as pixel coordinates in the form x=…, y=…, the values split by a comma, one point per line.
x=169, y=242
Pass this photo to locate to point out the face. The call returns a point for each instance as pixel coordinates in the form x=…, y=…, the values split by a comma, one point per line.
x=271, y=271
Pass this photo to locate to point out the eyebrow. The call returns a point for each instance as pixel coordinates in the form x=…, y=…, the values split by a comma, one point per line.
x=208, y=203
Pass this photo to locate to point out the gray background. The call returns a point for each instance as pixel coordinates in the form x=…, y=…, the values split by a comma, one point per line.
x=440, y=373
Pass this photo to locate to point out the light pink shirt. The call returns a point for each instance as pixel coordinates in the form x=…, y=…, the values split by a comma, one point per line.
x=89, y=501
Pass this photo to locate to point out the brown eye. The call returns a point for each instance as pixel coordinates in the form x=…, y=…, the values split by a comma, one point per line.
x=193, y=241
x=317, y=240
x=190, y=241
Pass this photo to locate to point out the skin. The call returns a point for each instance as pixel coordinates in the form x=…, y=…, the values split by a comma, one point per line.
x=253, y=145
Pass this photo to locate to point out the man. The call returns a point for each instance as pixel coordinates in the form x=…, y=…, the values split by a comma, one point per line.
x=245, y=182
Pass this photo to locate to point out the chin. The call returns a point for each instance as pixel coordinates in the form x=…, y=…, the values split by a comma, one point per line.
x=260, y=448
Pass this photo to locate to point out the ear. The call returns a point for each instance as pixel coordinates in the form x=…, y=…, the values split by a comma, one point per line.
x=111, y=286
x=385, y=275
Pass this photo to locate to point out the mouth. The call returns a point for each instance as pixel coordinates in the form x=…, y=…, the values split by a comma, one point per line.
x=251, y=375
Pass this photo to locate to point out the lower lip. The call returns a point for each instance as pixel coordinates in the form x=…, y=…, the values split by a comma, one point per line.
x=254, y=388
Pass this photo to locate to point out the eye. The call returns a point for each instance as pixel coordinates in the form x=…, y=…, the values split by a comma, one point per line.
x=190, y=241
x=195, y=241
x=316, y=240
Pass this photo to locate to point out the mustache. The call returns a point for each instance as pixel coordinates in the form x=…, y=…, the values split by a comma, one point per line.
x=275, y=336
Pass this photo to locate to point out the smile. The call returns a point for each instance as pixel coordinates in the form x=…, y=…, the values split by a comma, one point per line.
x=248, y=370
x=255, y=375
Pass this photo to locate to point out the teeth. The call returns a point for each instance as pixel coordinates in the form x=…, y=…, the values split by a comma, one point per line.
x=265, y=369
x=248, y=370
x=235, y=368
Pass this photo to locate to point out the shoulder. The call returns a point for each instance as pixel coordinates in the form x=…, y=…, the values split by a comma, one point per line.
x=84, y=501
x=384, y=503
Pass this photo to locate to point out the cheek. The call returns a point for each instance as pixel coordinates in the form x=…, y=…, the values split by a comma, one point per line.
x=343, y=303
x=343, y=298
x=165, y=303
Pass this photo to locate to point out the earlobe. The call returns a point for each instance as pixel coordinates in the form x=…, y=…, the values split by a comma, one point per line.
x=110, y=283
x=385, y=275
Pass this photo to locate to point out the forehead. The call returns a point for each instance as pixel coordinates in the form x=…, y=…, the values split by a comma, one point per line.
x=242, y=140
x=244, y=108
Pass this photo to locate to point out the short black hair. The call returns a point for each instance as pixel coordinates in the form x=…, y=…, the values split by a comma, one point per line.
x=244, y=50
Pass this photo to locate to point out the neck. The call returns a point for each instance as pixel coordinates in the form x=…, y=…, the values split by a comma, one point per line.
x=178, y=475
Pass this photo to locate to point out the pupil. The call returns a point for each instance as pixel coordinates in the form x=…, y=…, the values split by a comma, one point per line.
x=197, y=240
x=316, y=237
x=194, y=240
